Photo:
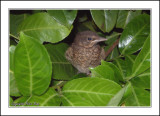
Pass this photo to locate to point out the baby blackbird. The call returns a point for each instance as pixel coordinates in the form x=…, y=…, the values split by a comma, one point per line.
x=85, y=51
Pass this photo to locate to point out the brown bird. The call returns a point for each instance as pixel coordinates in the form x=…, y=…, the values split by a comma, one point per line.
x=85, y=52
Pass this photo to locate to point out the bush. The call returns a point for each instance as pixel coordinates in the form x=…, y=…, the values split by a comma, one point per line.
x=40, y=75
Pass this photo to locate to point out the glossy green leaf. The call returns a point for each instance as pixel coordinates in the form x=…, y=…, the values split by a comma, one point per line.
x=125, y=16
x=142, y=80
x=64, y=17
x=62, y=69
x=15, y=21
x=118, y=75
x=50, y=98
x=142, y=61
x=89, y=92
x=32, y=66
x=117, y=98
x=105, y=19
x=13, y=89
x=139, y=97
x=135, y=34
x=43, y=27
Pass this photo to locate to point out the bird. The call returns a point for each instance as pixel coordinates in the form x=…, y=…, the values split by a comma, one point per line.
x=85, y=52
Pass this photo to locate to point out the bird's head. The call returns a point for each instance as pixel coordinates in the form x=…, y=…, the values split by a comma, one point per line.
x=87, y=39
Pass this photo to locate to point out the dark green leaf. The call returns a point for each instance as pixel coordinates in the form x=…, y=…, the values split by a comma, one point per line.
x=139, y=97
x=32, y=66
x=89, y=92
x=62, y=69
x=110, y=40
x=142, y=61
x=64, y=17
x=105, y=19
x=15, y=21
x=13, y=86
x=142, y=80
x=125, y=66
x=10, y=101
x=50, y=98
x=134, y=35
x=43, y=27
x=125, y=16
x=12, y=42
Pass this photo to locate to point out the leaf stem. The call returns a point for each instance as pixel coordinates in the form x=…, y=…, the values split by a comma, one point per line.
x=14, y=36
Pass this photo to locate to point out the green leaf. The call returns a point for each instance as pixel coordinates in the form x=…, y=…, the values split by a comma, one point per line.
x=117, y=73
x=13, y=89
x=125, y=16
x=117, y=98
x=134, y=35
x=142, y=80
x=50, y=98
x=125, y=65
x=62, y=69
x=15, y=21
x=43, y=27
x=139, y=97
x=110, y=40
x=103, y=71
x=142, y=61
x=64, y=17
x=10, y=101
x=12, y=42
x=32, y=66
x=105, y=19
x=89, y=92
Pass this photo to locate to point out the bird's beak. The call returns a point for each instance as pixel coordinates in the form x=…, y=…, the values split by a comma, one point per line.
x=99, y=39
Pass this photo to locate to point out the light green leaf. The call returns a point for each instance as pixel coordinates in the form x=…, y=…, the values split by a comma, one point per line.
x=105, y=19
x=118, y=75
x=117, y=98
x=103, y=71
x=125, y=16
x=62, y=69
x=13, y=89
x=89, y=92
x=32, y=66
x=64, y=17
x=50, y=98
x=135, y=34
x=43, y=27
x=142, y=61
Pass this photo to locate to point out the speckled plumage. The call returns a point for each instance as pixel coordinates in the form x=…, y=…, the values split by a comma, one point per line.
x=84, y=53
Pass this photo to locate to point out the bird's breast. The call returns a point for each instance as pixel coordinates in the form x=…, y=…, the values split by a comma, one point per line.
x=86, y=56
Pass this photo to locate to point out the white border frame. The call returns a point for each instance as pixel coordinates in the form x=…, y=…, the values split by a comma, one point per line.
x=6, y=5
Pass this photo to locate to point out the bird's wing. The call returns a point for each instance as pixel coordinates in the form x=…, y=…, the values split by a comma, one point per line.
x=69, y=54
x=102, y=57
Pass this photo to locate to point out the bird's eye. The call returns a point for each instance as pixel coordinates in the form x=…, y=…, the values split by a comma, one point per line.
x=89, y=38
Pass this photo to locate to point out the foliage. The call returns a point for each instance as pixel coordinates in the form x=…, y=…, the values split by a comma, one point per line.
x=40, y=75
